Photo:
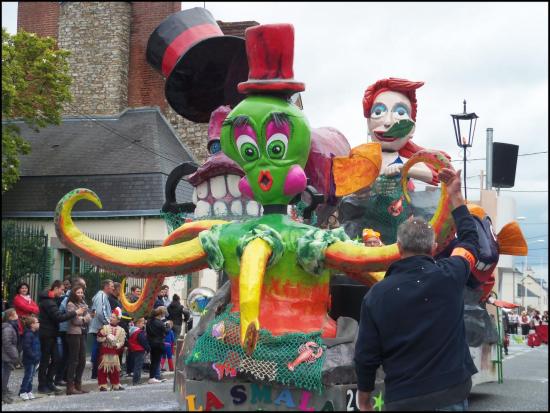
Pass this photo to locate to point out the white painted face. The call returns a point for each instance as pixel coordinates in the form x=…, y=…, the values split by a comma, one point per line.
x=388, y=108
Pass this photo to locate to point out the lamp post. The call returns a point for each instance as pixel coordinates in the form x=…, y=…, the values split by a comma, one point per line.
x=468, y=121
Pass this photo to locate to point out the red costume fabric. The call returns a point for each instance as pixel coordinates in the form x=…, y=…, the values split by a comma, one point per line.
x=111, y=339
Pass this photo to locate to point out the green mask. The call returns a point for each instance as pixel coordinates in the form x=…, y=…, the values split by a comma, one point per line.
x=270, y=139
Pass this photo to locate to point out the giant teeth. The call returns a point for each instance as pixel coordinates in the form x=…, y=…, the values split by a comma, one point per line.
x=202, y=209
x=202, y=190
x=252, y=208
x=217, y=186
x=237, y=207
x=220, y=208
x=233, y=185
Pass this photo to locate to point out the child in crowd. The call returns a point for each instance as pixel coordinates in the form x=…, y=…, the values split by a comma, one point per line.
x=10, y=335
x=137, y=346
x=111, y=339
x=31, y=355
x=169, y=341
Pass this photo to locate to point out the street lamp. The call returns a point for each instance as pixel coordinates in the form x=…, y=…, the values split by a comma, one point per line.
x=469, y=121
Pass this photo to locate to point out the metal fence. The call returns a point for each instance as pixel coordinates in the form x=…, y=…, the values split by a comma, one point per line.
x=26, y=257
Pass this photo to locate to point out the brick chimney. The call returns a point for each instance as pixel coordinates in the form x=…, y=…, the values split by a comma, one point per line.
x=145, y=85
x=38, y=17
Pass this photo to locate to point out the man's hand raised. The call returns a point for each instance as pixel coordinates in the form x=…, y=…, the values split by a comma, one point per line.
x=451, y=178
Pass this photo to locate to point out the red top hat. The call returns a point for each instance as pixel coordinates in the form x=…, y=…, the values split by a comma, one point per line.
x=270, y=52
x=202, y=66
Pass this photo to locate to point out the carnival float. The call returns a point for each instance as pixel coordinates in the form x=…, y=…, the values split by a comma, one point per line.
x=266, y=339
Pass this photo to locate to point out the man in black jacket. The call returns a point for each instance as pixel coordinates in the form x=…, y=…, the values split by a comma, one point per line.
x=50, y=316
x=412, y=322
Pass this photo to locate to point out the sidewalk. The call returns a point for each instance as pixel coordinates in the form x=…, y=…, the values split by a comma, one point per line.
x=87, y=384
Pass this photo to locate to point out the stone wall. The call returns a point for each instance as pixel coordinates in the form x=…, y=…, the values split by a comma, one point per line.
x=194, y=135
x=98, y=36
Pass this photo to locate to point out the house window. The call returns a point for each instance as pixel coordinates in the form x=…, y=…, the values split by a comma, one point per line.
x=525, y=292
x=71, y=264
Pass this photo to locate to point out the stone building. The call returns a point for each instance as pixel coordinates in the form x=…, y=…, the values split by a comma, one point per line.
x=107, y=41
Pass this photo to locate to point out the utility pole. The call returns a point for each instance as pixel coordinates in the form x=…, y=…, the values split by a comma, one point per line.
x=481, y=181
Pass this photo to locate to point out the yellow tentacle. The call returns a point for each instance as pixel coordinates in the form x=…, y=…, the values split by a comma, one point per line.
x=358, y=261
x=167, y=260
x=253, y=266
x=153, y=284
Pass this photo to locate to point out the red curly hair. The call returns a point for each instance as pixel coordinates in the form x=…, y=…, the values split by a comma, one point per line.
x=407, y=87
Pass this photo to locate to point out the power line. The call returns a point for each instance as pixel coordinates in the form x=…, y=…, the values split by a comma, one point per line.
x=131, y=140
x=538, y=236
x=482, y=159
x=538, y=249
x=533, y=223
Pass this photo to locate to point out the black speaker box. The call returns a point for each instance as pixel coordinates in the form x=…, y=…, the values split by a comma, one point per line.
x=505, y=159
x=346, y=300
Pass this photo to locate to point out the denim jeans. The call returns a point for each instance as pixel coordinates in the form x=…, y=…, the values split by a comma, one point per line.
x=61, y=369
x=137, y=360
x=26, y=384
x=94, y=357
x=457, y=407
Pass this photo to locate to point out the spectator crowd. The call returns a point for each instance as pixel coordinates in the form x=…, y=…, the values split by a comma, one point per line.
x=49, y=338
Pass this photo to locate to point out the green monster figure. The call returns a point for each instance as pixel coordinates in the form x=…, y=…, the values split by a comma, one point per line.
x=270, y=139
x=278, y=269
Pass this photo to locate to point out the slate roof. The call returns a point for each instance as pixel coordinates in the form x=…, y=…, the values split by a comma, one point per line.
x=125, y=159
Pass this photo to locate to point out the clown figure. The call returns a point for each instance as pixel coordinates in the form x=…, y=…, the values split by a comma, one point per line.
x=390, y=108
x=111, y=338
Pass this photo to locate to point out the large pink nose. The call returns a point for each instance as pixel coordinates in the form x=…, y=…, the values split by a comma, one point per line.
x=244, y=187
x=295, y=181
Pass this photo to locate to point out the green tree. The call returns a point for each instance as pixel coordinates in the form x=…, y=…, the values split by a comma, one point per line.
x=35, y=85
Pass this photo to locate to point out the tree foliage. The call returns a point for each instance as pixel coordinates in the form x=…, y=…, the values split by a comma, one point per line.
x=35, y=85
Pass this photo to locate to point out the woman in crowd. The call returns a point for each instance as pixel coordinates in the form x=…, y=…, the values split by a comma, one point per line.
x=524, y=321
x=178, y=314
x=24, y=304
x=76, y=341
x=156, y=330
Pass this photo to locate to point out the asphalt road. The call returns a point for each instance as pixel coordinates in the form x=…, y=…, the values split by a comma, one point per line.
x=525, y=388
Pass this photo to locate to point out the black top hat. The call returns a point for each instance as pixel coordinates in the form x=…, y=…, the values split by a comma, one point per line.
x=202, y=66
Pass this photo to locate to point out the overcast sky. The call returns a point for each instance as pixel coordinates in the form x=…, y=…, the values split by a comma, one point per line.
x=494, y=55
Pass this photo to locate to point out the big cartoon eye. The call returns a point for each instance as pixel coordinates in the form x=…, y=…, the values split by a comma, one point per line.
x=248, y=148
x=277, y=145
x=401, y=111
x=378, y=110
x=215, y=147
